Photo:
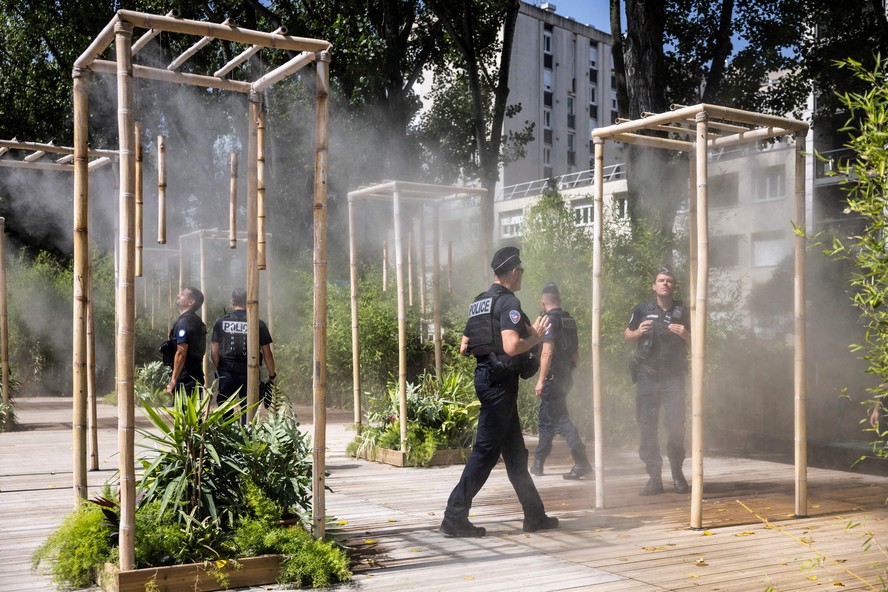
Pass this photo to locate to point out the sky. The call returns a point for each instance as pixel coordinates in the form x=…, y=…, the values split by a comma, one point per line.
x=589, y=12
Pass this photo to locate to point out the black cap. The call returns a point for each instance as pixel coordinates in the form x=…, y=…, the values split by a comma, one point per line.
x=505, y=260
x=551, y=288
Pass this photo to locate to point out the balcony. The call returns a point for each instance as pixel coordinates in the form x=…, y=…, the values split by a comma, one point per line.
x=585, y=178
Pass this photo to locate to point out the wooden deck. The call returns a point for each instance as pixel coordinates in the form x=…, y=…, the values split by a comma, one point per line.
x=390, y=516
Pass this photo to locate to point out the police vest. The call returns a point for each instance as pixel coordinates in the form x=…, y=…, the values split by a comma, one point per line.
x=483, y=326
x=233, y=345
x=662, y=352
x=566, y=340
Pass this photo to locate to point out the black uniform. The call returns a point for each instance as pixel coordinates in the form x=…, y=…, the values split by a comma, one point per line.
x=554, y=417
x=496, y=384
x=230, y=332
x=659, y=366
x=191, y=330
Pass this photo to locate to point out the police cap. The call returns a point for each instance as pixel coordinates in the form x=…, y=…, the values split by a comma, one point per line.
x=505, y=260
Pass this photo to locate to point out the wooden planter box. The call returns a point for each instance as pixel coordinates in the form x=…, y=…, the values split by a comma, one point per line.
x=454, y=456
x=194, y=577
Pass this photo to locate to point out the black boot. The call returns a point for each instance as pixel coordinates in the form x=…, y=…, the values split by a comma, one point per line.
x=537, y=468
x=540, y=523
x=679, y=483
x=461, y=528
x=578, y=471
x=654, y=486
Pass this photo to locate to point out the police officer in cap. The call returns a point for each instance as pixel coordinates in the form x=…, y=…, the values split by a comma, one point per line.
x=660, y=330
x=189, y=335
x=557, y=361
x=500, y=336
x=229, y=350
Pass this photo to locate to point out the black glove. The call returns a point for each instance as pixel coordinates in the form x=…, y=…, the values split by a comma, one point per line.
x=266, y=391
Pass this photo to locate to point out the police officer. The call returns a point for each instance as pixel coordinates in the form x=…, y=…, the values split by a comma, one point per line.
x=499, y=335
x=557, y=361
x=229, y=350
x=660, y=330
x=190, y=337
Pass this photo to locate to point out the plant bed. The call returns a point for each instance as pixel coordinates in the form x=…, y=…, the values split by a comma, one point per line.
x=194, y=577
x=451, y=456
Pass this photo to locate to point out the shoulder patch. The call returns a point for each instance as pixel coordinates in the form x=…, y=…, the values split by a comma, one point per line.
x=514, y=316
x=181, y=332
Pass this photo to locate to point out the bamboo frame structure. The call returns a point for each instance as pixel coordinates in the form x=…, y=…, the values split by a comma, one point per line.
x=119, y=34
x=83, y=374
x=397, y=192
x=4, y=318
x=707, y=126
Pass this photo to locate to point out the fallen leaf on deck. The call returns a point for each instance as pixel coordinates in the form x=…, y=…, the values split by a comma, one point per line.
x=652, y=548
x=468, y=577
x=392, y=520
x=701, y=562
x=417, y=550
x=370, y=541
x=708, y=533
x=342, y=522
x=693, y=575
x=745, y=533
x=812, y=578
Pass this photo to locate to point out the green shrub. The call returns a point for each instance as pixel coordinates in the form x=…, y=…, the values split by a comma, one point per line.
x=150, y=384
x=77, y=549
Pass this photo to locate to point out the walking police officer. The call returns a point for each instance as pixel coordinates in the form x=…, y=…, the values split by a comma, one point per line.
x=189, y=335
x=229, y=350
x=500, y=336
x=557, y=361
x=660, y=329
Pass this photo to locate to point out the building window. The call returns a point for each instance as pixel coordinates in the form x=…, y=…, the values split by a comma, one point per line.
x=547, y=118
x=547, y=42
x=547, y=80
x=570, y=141
x=584, y=215
x=571, y=114
x=724, y=251
x=593, y=56
x=593, y=123
x=547, y=156
x=614, y=100
x=593, y=93
x=510, y=226
x=770, y=183
x=768, y=248
x=724, y=190
x=622, y=203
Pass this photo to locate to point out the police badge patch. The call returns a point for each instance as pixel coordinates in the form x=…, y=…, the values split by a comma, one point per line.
x=514, y=316
x=181, y=332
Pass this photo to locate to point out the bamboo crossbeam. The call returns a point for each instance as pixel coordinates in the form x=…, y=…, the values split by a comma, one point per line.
x=65, y=159
x=15, y=144
x=191, y=51
x=283, y=71
x=244, y=56
x=42, y=166
x=106, y=67
x=98, y=46
x=416, y=191
x=759, y=134
x=651, y=141
x=225, y=32
x=150, y=34
x=757, y=119
x=99, y=163
x=34, y=156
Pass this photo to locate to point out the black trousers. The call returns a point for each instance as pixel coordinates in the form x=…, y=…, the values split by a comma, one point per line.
x=651, y=393
x=555, y=420
x=499, y=433
x=231, y=384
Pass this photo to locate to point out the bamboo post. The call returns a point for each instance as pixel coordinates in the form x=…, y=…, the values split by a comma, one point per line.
x=139, y=199
x=450, y=267
x=161, y=191
x=800, y=362
x=410, y=266
x=353, y=284
x=402, y=319
x=252, y=257
x=597, y=232
x=125, y=296
x=91, y=401
x=81, y=264
x=422, y=261
x=232, y=202
x=385, y=260
x=203, y=307
x=692, y=236
x=436, y=288
x=698, y=340
x=260, y=171
x=4, y=319
x=269, y=313
x=319, y=376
